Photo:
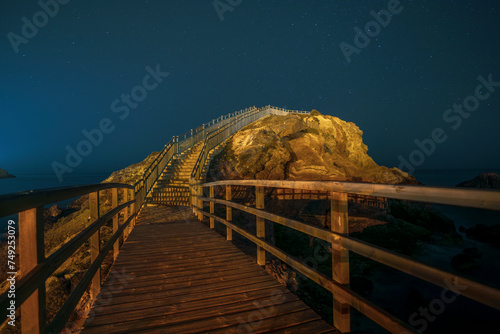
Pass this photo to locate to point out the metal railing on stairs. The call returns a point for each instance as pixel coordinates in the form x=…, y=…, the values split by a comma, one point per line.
x=212, y=134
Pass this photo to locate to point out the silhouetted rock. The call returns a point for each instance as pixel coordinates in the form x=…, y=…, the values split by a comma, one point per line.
x=473, y=252
x=422, y=215
x=464, y=262
x=484, y=233
x=129, y=175
x=301, y=147
x=397, y=235
x=484, y=180
x=53, y=211
x=4, y=174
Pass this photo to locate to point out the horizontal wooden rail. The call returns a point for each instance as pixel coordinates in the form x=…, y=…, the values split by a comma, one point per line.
x=479, y=292
x=24, y=200
x=341, y=242
x=481, y=199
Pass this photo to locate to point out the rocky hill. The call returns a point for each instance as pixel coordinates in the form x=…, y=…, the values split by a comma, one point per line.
x=301, y=147
x=4, y=174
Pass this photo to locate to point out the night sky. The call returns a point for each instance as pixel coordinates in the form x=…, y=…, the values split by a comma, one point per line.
x=72, y=74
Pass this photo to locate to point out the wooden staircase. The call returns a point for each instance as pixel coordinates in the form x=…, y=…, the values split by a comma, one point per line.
x=172, y=187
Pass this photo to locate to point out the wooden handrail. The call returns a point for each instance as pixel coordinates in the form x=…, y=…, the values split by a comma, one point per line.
x=484, y=199
x=474, y=198
x=30, y=287
x=24, y=200
x=479, y=292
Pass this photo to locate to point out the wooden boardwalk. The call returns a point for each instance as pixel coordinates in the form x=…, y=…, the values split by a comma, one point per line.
x=175, y=275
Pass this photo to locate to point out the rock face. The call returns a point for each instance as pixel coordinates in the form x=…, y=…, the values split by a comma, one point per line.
x=129, y=175
x=132, y=173
x=484, y=180
x=301, y=147
x=4, y=174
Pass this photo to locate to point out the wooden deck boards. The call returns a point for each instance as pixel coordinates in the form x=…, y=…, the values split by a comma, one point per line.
x=175, y=275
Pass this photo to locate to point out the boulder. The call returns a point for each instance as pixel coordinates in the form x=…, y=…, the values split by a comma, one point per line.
x=397, y=235
x=53, y=211
x=301, y=147
x=464, y=262
x=422, y=215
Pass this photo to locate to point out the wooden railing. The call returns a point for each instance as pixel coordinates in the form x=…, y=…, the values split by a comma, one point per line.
x=341, y=243
x=35, y=268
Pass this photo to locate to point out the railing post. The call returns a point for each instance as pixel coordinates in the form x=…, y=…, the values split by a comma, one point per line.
x=229, y=213
x=128, y=212
x=261, y=227
x=340, y=260
x=192, y=192
x=95, y=242
x=114, y=204
x=212, y=207
x=125, y=213
x=131, y=196
x=199, y=192
x=31, y=253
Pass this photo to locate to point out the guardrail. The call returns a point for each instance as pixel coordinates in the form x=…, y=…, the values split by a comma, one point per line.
x=341, y=243
x=35, y=268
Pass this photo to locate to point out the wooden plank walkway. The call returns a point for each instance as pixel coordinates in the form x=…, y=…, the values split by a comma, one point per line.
x=175, y=275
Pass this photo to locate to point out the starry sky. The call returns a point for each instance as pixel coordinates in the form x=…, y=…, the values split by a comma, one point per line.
x=71, y=73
